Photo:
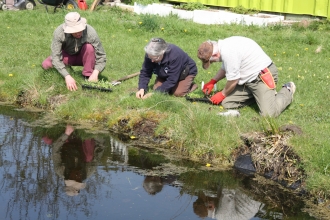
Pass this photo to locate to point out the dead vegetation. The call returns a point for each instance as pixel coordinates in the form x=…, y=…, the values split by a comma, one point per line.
x=273, y=158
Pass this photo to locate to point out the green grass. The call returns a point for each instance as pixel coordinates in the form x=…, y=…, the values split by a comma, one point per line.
x=25, y=43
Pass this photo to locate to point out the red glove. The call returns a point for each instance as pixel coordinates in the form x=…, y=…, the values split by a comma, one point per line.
x=209, y=86
x=217, y=98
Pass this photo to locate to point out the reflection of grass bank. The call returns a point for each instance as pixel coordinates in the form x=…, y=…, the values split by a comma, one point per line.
x=193, y=129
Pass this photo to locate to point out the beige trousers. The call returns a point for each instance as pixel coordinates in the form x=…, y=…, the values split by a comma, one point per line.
x=269, y=102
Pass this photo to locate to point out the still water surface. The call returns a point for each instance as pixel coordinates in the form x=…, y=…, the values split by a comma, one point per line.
x=61, y=172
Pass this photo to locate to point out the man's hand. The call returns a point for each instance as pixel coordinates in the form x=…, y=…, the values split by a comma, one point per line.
x=209, y=86
x=139, y=94
x=94, y=77
x=70, y=83
x=218, y=98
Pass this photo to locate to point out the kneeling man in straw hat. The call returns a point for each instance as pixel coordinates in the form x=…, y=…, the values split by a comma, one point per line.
x=75, y=43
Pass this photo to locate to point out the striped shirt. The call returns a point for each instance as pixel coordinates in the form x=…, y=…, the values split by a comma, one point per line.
x=62, y=41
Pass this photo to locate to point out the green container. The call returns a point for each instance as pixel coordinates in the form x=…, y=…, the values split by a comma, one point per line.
x=303, y=7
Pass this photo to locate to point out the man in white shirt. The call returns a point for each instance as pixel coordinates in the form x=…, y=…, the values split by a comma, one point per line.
x=251, y=76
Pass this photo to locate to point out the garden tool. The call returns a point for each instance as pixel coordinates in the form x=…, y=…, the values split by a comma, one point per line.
x=118, y=81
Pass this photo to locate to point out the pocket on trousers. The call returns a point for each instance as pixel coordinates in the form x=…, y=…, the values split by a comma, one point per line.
x=267, y=77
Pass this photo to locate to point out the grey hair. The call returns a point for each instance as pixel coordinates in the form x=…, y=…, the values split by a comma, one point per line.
x=156, y=47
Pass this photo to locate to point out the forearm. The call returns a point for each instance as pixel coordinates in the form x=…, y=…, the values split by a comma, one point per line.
x=100, y=60
x=58, y=63
x=220, y=75
x=229, y=87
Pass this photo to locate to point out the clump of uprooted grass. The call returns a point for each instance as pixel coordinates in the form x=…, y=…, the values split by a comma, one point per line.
x=271, y=154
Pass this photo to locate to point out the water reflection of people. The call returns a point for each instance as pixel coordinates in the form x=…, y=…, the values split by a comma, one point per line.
x=229, y=205
x=154, y=184
x=75, y=159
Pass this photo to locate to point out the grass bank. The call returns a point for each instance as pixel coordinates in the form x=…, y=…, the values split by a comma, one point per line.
x=194, y=129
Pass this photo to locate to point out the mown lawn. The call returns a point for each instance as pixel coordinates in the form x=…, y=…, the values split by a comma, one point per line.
x=301, y=54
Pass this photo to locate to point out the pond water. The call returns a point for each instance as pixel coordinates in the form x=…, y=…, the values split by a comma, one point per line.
x=62, y=172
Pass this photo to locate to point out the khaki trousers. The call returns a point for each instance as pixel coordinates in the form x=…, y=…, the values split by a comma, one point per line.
x=269, y=103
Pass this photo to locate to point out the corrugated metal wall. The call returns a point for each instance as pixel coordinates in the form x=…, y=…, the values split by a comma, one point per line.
x=304, y=7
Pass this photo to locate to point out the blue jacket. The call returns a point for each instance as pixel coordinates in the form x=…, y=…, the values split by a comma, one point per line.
x=169, y=68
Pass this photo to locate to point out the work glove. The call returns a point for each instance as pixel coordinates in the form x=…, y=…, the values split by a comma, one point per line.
x=218, y=98
x=209, y=86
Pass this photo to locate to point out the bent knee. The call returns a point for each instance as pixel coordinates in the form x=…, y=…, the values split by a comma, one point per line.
x=46, y=65
x=88, y=47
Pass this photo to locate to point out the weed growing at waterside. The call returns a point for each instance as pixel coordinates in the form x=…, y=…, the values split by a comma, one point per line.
x=194, y=128
x=269, y=126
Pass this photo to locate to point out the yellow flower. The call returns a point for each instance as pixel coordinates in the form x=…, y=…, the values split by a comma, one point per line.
x=290, y=122
x=162, y=28
x=8, y=27
x=129, y=29
x=221, y=107
x=208, y=72
x=208, y=165
x=306, y=48
x=275, y=54
x=33, y=65
x=297, y=54
x=10, y=74
x=298, y=76
x=132, y=137
x=140, y=22
x=283, y=52
x=185, y=30
x=146, y=40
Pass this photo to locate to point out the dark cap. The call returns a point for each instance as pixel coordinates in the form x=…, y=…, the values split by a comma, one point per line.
x=205, y=52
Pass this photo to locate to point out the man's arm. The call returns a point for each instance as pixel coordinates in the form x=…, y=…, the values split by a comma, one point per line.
x=56, y=48
x=229, y=87
x=100, y=55
x=220, y=75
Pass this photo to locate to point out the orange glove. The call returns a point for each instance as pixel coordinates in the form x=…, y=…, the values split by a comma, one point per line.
x=218, y=98
x=209, y=86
